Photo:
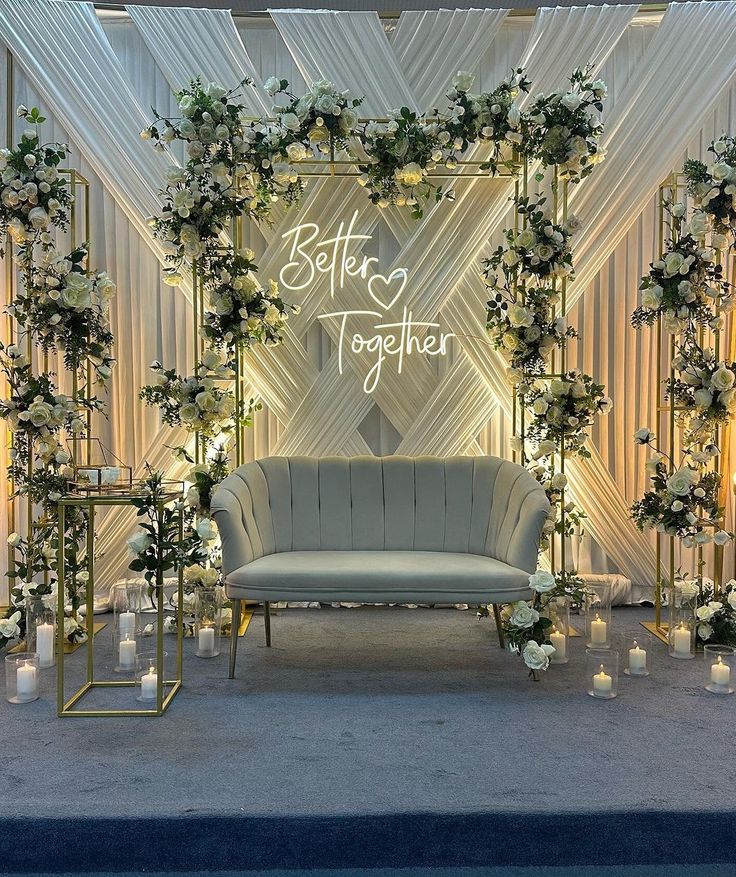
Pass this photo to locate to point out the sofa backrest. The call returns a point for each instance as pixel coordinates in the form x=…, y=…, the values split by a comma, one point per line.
x=477, y=505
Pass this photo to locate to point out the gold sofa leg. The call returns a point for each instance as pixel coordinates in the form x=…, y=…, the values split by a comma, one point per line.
x=267, y=622
x=234, y=631
x=499, y=626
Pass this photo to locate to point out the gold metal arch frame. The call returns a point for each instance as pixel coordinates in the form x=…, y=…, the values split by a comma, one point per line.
x=672, y=189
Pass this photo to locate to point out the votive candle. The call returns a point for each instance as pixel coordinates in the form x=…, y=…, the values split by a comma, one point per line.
x=126, y=622
x=149, y=685
x=637, y=660
x=206, y=640
x=602, y=683
x=720, y=673
x=126, y=654
x=598, y=631
x=681, y=640
x=45, y=644
x=26, y=682
x=559, y=641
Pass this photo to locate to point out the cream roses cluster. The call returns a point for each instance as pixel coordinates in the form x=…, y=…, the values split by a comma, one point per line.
x=197, y=402
x=34, y=406
x=240, y=312
x=527, y=623
x=526, y=333
x=703, y=389
x=34, y=197
x=686, y=285
x=67, y=308
x=540, y=252
x=682, y=500
x=563, y=410
x=713, y=185
x=323, y=118
x=404, y=150
x=564, y=128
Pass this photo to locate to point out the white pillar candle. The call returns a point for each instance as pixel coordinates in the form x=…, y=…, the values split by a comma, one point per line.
x=602, y=682
x=206, y=640
x=26, y=682
x=126, y=654
x=149, y=685
x=598, y=631
x=637, y=659
x=126, y=623
x=45, y=645
x=559, y=641
x=720, y=673
x=681, y=640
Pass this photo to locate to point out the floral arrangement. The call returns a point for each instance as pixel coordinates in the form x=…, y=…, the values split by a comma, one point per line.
x=195, y=402
x=324, y=117
x=204, y=196
x=68, y=309
x=527, y=332
x=703, y=390
x=714, y=186
x=241, y=312
x=34, y=406
x=540, y=251
x=33, y=195
x=563, y=410
x=403, y=150
x=564, y=128
x=682, y=500
x=686, y=283
x=527, y=624
x=156, y=545
x=204, y=477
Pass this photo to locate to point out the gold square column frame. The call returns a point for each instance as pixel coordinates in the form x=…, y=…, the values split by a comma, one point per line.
x=167, y=689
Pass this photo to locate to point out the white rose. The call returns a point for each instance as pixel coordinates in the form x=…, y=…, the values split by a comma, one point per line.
x=723, y=378
x=703, y=398
x=523, y=615
x=681, y=481
x=570, y=101
x=651, y=298
x=672, y=263
x=139, y=542
x=514, y=116
x=526, y=239
x=542, y=581
x=643, y=436
x=699, y=224
x=410, y=174
x=519, y=316
x=206, y=530
x=9, y=628
x=14, y=540
x=536, y=657
x=39, y=218
x=463, y=81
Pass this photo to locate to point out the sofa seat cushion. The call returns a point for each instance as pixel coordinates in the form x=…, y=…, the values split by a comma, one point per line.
x=379, y=577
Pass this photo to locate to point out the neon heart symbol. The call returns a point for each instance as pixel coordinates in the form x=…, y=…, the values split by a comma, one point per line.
x=387, y=281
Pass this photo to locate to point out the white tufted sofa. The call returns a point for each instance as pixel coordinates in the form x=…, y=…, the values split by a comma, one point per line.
x=378, y=530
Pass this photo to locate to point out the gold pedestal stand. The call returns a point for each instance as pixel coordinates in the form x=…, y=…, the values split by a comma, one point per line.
x=167, y=689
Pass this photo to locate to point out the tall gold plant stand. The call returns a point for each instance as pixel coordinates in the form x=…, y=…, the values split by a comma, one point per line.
x=167, y=689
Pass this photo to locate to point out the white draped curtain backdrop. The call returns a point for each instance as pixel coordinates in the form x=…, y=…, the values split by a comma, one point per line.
x=671, y=90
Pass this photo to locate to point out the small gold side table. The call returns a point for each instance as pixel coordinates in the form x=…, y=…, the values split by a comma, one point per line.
x=166, y=688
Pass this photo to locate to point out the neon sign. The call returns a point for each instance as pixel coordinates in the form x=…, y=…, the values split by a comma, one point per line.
x=309, y=255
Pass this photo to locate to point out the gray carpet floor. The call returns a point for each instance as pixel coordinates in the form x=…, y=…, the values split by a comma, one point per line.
x=379, y=710
x=536, y=871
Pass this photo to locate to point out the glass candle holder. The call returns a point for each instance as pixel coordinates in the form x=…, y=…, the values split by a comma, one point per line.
x=681, y=631
x=601, y=673
x=126, y=599
x=21, y=677
x=147, y=672
x=637, y=665
x=41, y=629
x=208, y=621
x=720, y=669
x=558, y=611
x=598, y=616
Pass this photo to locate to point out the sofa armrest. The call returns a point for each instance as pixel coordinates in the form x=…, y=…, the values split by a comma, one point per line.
x=523, y=549
x=227, y=511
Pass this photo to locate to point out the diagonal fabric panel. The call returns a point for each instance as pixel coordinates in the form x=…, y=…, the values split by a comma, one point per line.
x=351, y=49
x=699, y=38
x=63, y=48
x=458, y=38
x=178, y=38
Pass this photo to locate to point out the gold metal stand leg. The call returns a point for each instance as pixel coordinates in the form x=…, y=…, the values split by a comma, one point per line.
x=499, y=626
x=267, y=622
x=234, y=631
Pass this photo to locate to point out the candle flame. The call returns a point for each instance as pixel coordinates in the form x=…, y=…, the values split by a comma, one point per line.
x=597, y=617
x=151, y=669
x=720, y=660
x=601, y=668
x=636, y=644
